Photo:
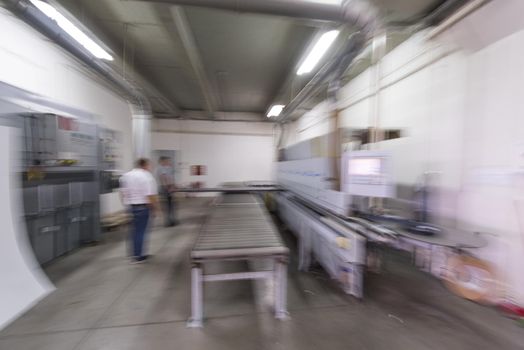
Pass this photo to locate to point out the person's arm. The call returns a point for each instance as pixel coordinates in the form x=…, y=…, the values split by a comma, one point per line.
x=153, y=204
x=152, y=195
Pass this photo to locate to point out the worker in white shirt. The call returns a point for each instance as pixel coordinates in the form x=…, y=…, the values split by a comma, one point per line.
x=139, y=193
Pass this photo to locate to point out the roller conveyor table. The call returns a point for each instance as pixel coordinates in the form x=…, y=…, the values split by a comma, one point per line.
x=238, y=228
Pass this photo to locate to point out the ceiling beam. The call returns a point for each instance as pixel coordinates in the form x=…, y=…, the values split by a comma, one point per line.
x=217, y=116
x=215, y=120
x=188, y=41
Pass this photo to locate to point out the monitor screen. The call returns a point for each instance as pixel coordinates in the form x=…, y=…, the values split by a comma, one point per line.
x=365, y=166
x=366, y=173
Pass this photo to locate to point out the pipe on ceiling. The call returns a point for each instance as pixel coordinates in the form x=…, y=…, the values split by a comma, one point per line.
x=140, y=106
x=460, y=14
x=434, y=16
x=359, y=13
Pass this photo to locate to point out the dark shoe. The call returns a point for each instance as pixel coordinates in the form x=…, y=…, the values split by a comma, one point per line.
x=138, y=260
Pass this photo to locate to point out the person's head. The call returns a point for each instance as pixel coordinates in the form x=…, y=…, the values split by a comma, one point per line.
x=143, y=163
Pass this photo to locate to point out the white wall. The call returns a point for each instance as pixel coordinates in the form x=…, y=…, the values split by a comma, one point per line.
x=29, y=61
x=232, y=151
x=459, y=98
x=493, y=196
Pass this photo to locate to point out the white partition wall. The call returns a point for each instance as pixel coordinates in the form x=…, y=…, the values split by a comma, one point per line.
x=22, y=283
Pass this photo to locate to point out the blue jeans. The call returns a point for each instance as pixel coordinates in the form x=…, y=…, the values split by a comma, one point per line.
x=138, y=231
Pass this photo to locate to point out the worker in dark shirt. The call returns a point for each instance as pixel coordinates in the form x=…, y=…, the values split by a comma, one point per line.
x=166, y=182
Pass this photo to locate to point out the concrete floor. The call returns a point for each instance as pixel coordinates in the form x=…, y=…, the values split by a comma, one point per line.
x=103, y=302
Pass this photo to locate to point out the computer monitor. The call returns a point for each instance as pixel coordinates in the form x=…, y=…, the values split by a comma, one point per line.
x=366, y=173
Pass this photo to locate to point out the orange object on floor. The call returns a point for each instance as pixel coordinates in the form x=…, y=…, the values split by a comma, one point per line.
x=470, y=278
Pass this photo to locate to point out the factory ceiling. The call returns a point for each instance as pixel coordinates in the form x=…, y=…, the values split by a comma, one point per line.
x=244, y=62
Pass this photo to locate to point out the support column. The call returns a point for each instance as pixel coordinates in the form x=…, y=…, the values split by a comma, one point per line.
x=141, y=135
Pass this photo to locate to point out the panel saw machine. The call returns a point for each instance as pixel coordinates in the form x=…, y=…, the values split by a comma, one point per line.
x=316, y=207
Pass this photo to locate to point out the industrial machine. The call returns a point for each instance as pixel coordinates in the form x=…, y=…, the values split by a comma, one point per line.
x=316, y=211
x=334, y=210
x=61, y=166
x=339, y=249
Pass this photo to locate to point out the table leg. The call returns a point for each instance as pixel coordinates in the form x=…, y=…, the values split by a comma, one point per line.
x=196, y=298
x=280, y=277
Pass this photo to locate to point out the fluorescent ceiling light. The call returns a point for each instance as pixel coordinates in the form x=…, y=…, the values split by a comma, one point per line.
x=275, y=111
x=319, y=50
x=72, y=30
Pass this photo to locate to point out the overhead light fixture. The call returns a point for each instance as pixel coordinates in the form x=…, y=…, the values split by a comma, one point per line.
x=275, y=111
x=317, y=52
x=72, y=30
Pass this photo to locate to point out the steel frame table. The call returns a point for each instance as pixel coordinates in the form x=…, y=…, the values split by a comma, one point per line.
x=238, y=229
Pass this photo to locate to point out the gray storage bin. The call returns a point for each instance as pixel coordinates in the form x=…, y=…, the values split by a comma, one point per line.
x=61, y=195
x=46, y=198
x=90, y=191
x=75, y=193
x=87, y=223
x=62, y=223
x=30, y=197
x=42, y=234
x=73, y=228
